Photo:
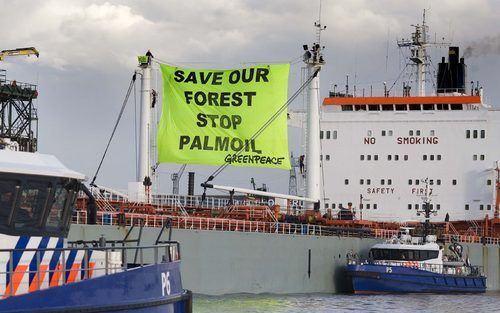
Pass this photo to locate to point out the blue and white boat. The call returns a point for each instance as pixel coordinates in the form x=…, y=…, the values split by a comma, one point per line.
x=41, y=272
x=409, y=265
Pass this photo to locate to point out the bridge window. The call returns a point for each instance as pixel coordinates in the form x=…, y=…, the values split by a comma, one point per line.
x=414, y=107
x=474, y=133
x=488, y=182
x=467, y=133
x=401, y=107
x=321, y=133
x=347, y=108
x=7, y=196
x=33, y=199
x=373, y=107
x=456, y=107
x=403, y=254
x=327, y=134
x=334, y=134
x=483, y=133
x=55, y=217
x=488, y=207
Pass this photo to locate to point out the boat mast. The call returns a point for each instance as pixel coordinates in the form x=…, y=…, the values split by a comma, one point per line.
x=144, y=167
x=314, y=60
x=418, y=49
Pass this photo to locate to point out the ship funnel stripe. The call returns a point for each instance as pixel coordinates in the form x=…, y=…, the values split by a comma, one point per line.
x=17, y=254
x=33, y=264
x=55, y=258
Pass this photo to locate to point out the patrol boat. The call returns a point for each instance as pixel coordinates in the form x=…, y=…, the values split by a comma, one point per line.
x=408, y=264
x=40, y=271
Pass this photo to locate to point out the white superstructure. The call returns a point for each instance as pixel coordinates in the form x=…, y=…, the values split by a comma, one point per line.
x=377, y=153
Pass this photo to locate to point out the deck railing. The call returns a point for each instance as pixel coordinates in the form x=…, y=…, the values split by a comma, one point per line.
x=225, y=224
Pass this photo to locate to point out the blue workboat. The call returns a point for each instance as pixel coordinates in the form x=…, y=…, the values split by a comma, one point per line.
x=407, y=264
x=40, y=271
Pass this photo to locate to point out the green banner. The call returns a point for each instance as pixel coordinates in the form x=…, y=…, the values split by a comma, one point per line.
x=210, y=115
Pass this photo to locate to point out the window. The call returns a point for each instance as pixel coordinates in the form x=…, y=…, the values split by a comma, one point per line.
x=438, y=182
x=383, y=133
x=382, y=181
x=416, y=206
x=409, y=206
x=327, y=134
x=431, y=182
x=424, y=157
x=390, y=133
x=488, y=182
x=474, y=157
x=418, y=133
x=333, y=205
x=396, y=157
x=481, y=157
x=432, y=133
x=362, y=157
x=321, y=133
x=374, y=206
x=389, y=182
x=454, y=182
x=417, y=182
x=411, y=133
x=467, y=133
x=389, y=157
x=326, y=205
x=368, y=181
x=328, y=157
x=369, y=133
x=439, y=157
x=32, y=203
x=483, y=133
x=438, y=206
x=488, y=207
x=481, y=207
x=474, y=133
x=406, y=157
x=334, y=134
x=367, y=206
x=346, y=181
x=375, y=157
x=321, y=157
x=369, y=157
x=431, y=157
x=409, y=182
x=55, y=217
x=467, y=207
x=7, y=195
x=361, y=181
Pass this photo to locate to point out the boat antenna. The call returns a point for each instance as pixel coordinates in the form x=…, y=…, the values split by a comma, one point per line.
x=131, y=85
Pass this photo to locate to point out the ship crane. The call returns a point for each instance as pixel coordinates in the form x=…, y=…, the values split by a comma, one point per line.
x=176, y=177
x=18, y=52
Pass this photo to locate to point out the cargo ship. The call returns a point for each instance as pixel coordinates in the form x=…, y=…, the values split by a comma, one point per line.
x=254, y=241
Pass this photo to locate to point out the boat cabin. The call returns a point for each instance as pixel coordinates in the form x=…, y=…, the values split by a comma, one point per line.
x=37, y=194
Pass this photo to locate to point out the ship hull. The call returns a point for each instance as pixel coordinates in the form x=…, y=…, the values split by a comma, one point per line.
x=376, y=279
x=253, y=262
x=134, y=291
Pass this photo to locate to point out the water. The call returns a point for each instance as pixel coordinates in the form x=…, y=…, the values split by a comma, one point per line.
x=322, y=303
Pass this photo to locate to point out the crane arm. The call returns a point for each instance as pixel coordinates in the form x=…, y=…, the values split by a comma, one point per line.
x=19, y=51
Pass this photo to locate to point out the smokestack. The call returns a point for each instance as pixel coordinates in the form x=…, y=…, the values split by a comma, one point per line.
x=451, y=75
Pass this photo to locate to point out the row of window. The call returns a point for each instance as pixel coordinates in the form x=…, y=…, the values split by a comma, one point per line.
x=369, y=181
x=418, y=206
x=431, y=182
x=327, y=157
x=431, y=157
x=366, y=206
x=402, y=107
x=481, y=207
x=475, y=133
x=327, y=134
x=476, y=157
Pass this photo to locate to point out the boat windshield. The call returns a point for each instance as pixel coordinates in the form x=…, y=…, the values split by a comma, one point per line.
x=36, y=205
x=403, y=254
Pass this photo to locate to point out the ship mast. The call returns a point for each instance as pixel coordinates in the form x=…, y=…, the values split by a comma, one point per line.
x=143, y=173
x=418, y=50
x=314, y=60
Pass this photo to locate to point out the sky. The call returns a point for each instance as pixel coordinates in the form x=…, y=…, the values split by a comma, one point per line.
x=88, y=55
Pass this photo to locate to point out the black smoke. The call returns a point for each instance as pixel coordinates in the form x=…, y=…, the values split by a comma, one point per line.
x=483, y=47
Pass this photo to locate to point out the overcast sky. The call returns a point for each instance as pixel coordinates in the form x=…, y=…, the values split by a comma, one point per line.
x=88, y=54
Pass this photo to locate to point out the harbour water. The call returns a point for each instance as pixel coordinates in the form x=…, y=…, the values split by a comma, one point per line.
x=326, y=303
